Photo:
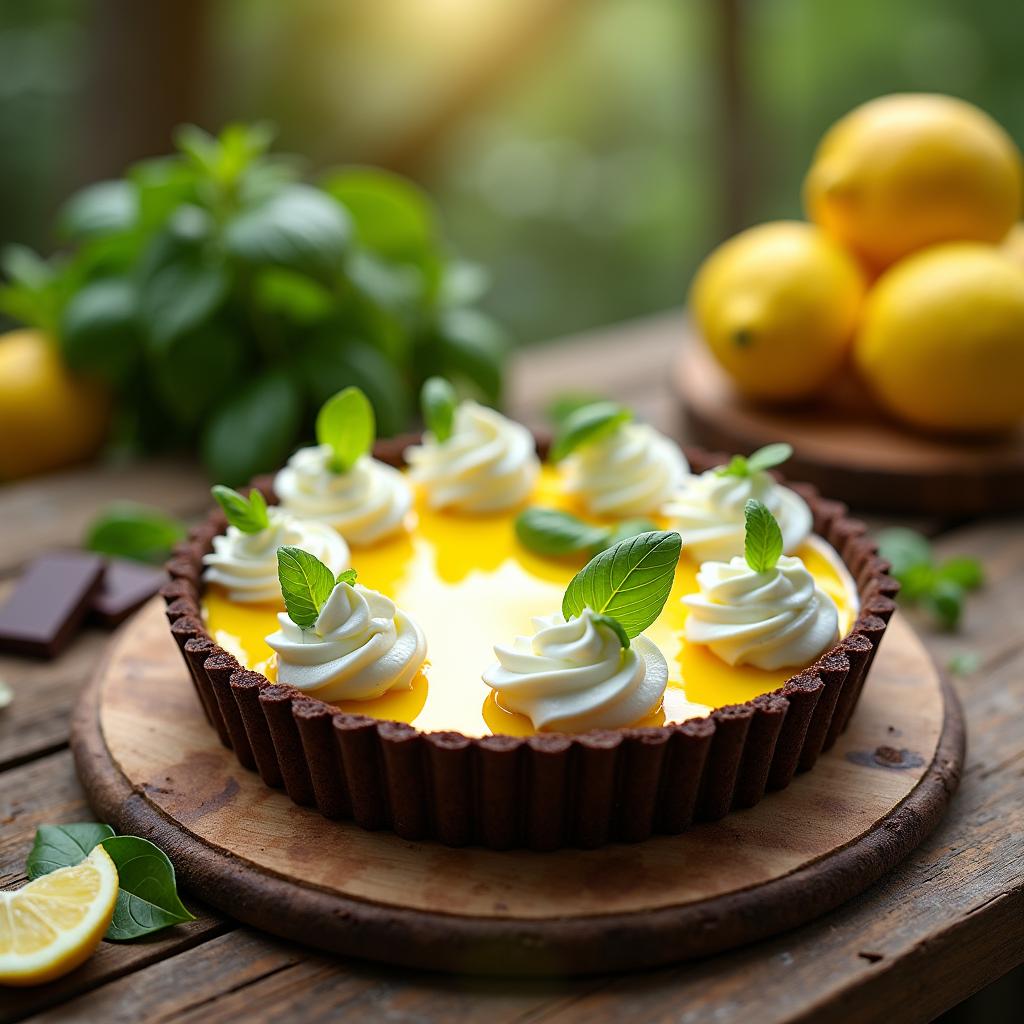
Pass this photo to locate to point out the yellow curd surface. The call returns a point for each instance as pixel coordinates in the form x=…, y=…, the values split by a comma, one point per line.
x=469, y=584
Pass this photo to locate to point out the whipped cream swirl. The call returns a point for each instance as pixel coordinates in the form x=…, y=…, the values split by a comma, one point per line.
x=708, y=513
x=574, y=676
x=369, y=502
x=632, y=471
x=245, y=564
x=488, y=464
x=774, y=619
x=360, y=647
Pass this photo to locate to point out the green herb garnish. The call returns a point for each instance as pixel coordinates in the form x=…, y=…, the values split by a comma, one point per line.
x=614, y=625
x=763, y=459
x=246, y=514
x=147, y=899
x=348, y=576
x=346, y=424
x=132, y=531
x=629, y=582
x=587, y=424
x=438, y=402
x=762, y=544
x=562, y=406
x=306, y=583
x=552, y=532
x=940, y=587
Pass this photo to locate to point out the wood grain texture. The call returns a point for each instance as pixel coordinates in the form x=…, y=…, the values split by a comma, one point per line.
x=153, y=765
x=850, y=450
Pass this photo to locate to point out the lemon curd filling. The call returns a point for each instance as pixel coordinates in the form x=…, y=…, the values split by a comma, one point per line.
x=470, y=584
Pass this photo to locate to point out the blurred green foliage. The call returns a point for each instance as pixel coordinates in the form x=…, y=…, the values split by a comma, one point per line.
x=225, y=300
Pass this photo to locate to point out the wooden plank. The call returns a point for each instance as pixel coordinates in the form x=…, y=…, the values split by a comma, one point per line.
x=55, y=510
x=46, y=792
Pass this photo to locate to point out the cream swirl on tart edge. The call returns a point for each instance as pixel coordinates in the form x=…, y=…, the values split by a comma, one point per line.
x=369, y=502
x=488, y=464
x=574, y=676
x=774, y=619
x=708, y=513
x=245, y=564
x=360, y=647
x=631, y=472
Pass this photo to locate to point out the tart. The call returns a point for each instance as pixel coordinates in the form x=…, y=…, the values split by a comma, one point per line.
x=449, y=752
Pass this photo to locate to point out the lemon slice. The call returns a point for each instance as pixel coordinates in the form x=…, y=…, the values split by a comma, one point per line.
x=50, y=926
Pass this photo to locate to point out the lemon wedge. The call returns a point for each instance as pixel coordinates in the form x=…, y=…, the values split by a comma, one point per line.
x=51, y=925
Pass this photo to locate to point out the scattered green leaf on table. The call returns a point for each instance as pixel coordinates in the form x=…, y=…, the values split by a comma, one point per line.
x=132, y=531
x=630, y=581
x=550, y=531
x=61, y=846
x=148, y=898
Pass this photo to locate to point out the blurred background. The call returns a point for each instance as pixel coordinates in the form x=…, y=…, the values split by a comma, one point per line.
x=564, y=140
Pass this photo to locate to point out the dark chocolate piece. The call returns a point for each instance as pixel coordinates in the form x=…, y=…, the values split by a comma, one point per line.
x=49, y=603
x=126, y=586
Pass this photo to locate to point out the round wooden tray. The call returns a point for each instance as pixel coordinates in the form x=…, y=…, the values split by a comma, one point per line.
x=850, y=450
x=152, y=766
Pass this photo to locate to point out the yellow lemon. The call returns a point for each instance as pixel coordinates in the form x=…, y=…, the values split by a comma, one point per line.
x=910, y=170
x=1013, y=244
x=778, y=305
x=48, y=417
x=942, y=340
x=54, y=924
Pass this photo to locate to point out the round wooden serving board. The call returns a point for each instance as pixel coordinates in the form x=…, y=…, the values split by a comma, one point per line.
x=152, y=766
x=850, y=450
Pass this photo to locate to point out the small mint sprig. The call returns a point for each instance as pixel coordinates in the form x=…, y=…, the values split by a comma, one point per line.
x=306, y=583
x=347, y=425
x=769, y=457
x=762, y=544
x=348, y=576
x=587, y=424
x=554, y=533
x=628, y=583
x=246, y=514
x=438, y=402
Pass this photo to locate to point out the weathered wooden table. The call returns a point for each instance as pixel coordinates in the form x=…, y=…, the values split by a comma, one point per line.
x=947, y=922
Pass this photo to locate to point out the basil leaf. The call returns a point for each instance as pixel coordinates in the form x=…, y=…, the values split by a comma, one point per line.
x=472, y=346
x=345, y=422
x=306, y=583
x=586, y=425
x=147, y=900
x=904, y=549
x=768, y=457
x=762, y=543
x=946, y=603
x=182, y=293
x=62, y=846
x=348, y=576
x=438, y=402
x=134, y=531
x=391, y=215
x=298, y=228
x=254, y=430
x=246, y=514
x=550, y=531
x=99, y=331
x=614, y=625
x=105, y=208
x=630, y=581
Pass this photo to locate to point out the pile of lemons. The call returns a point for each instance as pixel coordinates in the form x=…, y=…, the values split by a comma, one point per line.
x=912, y=265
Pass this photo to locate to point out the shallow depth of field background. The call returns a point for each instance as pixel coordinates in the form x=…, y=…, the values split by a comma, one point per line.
x=590, y=152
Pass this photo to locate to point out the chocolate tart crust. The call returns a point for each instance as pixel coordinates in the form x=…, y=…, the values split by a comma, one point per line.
x=545, y=791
